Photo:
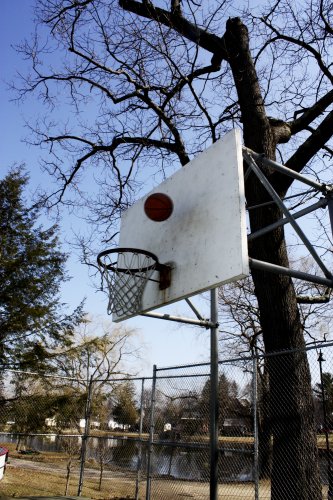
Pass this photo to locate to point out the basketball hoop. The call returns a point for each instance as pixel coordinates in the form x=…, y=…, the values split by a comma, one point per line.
x=126, y=272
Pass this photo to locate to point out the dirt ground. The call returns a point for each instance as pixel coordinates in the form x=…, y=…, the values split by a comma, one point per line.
x=23, y=479
x=27, y=479
x=22, y=482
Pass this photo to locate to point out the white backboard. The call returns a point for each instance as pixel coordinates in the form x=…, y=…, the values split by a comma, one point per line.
x=205, y=239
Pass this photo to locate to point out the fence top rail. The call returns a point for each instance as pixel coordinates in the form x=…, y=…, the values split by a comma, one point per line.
x=249, y=357
x=246, y=358
x=184, y=375
x=313, y=346
x=73, y=379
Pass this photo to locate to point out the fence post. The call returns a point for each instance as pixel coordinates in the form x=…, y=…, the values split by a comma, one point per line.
x=255, y=427
x=328, y=451
x=140, y=443
x=151, y=433
x=85, y=436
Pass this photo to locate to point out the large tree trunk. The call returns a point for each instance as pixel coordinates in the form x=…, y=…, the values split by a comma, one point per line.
x=295, y=473
x=264, y=427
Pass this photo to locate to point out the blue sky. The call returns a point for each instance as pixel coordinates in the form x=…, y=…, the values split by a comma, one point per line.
x=165, y=343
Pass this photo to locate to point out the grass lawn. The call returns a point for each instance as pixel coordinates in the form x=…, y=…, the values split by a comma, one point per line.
x=27, y=482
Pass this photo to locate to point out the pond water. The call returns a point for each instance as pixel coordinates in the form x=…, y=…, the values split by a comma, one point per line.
x=167, y=459
x=177, y=460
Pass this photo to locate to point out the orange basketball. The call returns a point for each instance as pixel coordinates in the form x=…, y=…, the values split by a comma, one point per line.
x=158, y=207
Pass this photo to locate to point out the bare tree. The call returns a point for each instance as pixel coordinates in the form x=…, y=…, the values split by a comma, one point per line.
x=240, y=327
x=168, y=80
x=88, y=371
x=99, y=354
x=103, y=456
x=72, y=448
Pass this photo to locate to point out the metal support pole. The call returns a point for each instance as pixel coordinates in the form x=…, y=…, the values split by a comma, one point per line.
x=188, y=321
x=255, y=428
x=273, y=268
x=138, y=470
x=282, y=222
x=151, y=433
x=195, y=310
x=269, y=188
x=85, y=436
x=286, y=170
x=214, y=406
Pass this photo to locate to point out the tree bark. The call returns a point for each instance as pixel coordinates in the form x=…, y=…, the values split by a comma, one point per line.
x=264, y=428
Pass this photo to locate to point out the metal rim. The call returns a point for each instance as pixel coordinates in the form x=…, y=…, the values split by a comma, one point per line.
x=111, y=267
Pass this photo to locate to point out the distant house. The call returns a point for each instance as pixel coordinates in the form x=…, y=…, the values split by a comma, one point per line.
x=94, y=424
x=234, y=426
x=113, y=425
x=51, y=422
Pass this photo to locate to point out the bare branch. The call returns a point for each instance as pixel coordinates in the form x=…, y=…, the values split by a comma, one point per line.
x=302, y=44
x=311, y=146
x=174, y=20
x=310, y=114
x=95, y=149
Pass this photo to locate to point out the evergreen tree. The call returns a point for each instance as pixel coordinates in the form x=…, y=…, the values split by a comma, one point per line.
x=125, y=411
x=32, y=269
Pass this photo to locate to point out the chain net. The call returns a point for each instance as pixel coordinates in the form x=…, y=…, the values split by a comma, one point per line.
x=126, y=280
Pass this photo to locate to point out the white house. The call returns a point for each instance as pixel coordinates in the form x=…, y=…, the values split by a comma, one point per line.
x=93, y=423
x=113, y=425
x=51, y=422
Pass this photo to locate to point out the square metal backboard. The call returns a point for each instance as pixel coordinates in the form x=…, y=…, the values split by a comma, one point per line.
x=205, y=239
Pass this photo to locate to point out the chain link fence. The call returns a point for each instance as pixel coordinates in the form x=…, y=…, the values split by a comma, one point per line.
x=149, y=438
x=180, y=451
x=64, y=438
